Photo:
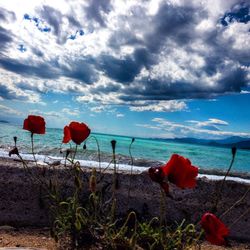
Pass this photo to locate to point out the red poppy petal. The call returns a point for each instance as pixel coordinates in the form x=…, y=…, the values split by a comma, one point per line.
x=26, y=124
x=214, y=228
x=67, y=136
x=37, y=124
x=34, y=124
x=79, y=132
x=215, y=240
x=180, y=172
x=170, y=164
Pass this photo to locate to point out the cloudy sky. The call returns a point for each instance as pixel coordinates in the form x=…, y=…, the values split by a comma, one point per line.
x=134, y=67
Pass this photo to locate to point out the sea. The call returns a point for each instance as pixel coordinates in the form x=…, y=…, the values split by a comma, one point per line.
x=144, y=152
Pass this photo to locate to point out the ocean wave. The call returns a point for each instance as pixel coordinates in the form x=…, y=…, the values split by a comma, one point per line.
x=47, y=159
x=140, y=165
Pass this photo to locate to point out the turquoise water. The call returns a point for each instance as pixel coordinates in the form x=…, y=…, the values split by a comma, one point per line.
x=206, y=157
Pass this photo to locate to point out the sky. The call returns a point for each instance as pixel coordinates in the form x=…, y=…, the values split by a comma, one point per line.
x=177, y=68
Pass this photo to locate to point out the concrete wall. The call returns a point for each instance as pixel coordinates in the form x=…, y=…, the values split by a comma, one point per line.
x=21, y=203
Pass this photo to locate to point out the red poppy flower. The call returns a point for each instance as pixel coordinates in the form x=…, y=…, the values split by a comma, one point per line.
x=214, y=228
x=157, y=175
x=77, y=132
x=180, y=172
x=35, y=124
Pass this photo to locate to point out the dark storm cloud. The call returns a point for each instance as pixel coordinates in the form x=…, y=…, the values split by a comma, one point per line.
x=73, y=21
x=123, y=37
x=172, y=22
x=42, y=70
x=5, y=93
x=105, y=89
x=231, y=82
x=5, y=38
x=139, y=41
x=10, y=94
x=174, y=25
x=81, y=70
x=7, y=16
x=121, y=70
x=37, y=52
x=35, y=88
x=239, y=13
x=53, y=17
x=126, y=69
x=95, y=9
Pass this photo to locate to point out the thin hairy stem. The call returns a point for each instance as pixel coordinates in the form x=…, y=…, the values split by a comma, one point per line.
x=162, y=207
x=218, y=196
x=25, y=165
x=236, y=203
x=74, y=155
x=239, y=218
x=131, y=170
x=32, y=148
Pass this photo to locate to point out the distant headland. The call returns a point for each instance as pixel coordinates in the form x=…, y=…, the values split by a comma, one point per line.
x=234, y=141
x=4, y=121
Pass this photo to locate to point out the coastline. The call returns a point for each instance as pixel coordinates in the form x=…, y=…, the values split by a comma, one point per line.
x=124, y=164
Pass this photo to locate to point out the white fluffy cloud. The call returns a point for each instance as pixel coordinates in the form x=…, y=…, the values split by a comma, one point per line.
x=116, y=52
x=162, y=106
x=9, y=111
x=200, y=130
x=210, y=124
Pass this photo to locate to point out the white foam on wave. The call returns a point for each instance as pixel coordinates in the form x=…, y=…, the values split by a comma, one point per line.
x=45, y=160
x=219, y=177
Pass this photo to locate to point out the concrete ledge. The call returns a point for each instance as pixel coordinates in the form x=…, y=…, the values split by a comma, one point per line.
x=21, y=203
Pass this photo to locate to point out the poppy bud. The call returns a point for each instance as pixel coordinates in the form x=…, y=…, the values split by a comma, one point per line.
x=15, y=139
x=113, y=144
x=67, y=153
x=84, y=146
x=92, y=181
x=234, y=149
x=13, y=151
x=156, y=174
x=133, y=139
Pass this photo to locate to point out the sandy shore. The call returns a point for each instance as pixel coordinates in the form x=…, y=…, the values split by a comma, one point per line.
x=21, y=203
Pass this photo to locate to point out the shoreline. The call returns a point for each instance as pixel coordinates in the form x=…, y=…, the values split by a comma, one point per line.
x=140, y=166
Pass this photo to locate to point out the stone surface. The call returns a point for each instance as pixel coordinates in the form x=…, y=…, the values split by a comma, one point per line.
x=22, y=201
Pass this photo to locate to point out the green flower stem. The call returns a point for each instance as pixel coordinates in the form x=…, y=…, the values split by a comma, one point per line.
x=113, y=209
x=236, y=203
x=25, y=165
x=131, y=171
x=162, y=207
x=218, y=196
x=239, y=218
x=73, y=158
x=123, y=228
x=32, y=148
